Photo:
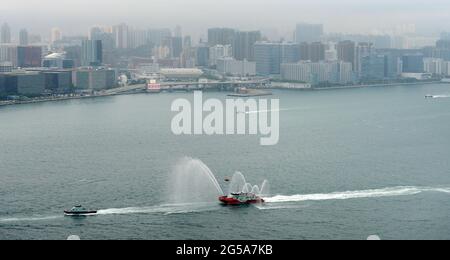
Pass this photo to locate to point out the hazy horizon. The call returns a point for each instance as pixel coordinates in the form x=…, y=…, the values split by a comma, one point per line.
x=195, y=16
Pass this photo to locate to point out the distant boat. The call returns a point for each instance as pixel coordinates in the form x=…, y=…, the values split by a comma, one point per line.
x=79, y=211
x=429, y=96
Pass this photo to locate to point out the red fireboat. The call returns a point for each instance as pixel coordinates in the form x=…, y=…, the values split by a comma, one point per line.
x=241, y=199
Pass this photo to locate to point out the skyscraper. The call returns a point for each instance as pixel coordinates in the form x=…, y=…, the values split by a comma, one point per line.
x=317, y=51
x=308, y=32
x=268, y=58
x=363, y=49
x=91, y=53
x=121, y=36
x=346, y=51
x=5, y=33
x=104, y=35
x=373, y=68
x=23, y=37
x=221, y=36
x=244, y=43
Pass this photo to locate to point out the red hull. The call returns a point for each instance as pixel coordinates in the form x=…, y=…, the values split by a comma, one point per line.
x=232, y=201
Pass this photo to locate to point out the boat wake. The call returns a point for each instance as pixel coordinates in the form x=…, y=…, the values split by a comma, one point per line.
x=439, y=96
x=167, y=209
x=30, y=219
x=375, y=193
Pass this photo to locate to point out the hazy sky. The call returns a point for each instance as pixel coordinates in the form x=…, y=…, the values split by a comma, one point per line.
x=197, y=15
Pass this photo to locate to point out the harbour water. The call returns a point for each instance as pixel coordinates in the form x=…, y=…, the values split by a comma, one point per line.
x=350, y=163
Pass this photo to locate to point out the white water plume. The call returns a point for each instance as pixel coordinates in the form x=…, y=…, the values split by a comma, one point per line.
x=239, y=184
x=193, y=181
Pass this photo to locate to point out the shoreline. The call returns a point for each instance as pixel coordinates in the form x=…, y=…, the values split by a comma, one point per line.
x=6, y=103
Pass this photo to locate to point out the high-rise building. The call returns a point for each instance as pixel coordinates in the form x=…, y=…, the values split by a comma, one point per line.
x=101, y=34
x=244, y=45
x=317, y=51
x=335, y=72
x=314, y=52
x=221, y=36
x=91, y=53
x=121, y=33
x=29, y=56
x=308, y=33
x=268, y=58
x=413, y=63
x=157, y=36
x=5, y=34
x=176, y=46
x=373, y=68
x=56, y=35
x=230, y=66
x=434, y=66
x=290, y=52
x=270, y=55
x=23, y=37
x=363, y=49
x=202, y=56
x=8, y=53
x=219, y=52
x=346, y=51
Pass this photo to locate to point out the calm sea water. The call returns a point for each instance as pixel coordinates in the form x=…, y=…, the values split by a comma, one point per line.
x=349, y=164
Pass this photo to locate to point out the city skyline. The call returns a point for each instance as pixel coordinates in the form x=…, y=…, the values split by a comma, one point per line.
x=198, y=15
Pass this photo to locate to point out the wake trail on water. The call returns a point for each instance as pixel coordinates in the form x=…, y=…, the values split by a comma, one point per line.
x=29, y=219
x=375, y=193
x=167, y=209
x=163, y=209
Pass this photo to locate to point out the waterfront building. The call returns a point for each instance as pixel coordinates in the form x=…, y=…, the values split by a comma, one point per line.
x=58, y=81
x=270, y=55
x=230, y=66
x=413, y=63
x=94, y=79
x=335, y=72
x=219, y=52
x=363, y=49
x=434, y=66
x=372, y=68
x=6, y=66
x=24, y=83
